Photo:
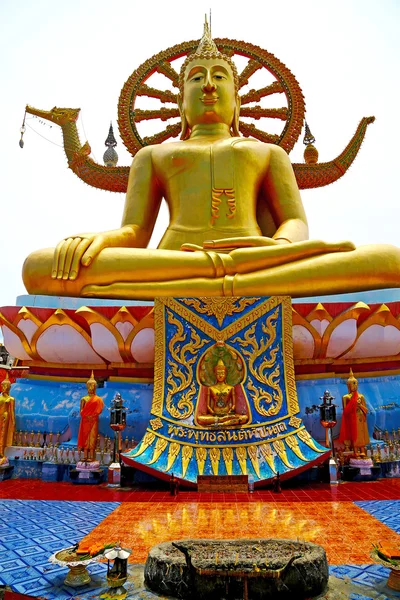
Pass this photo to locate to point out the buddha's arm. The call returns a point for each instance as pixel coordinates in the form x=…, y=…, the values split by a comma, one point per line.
x=209, y=407
x=142, y=204
x=282, y=194
x=143, y=199
x=363, y=404
x=232, y=400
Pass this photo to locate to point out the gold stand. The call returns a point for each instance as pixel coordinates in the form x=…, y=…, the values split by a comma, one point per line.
x=394, y=580
x=77, y=576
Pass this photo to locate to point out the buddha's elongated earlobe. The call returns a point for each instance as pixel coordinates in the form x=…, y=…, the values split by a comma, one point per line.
x=235, y=121
x=185, y=129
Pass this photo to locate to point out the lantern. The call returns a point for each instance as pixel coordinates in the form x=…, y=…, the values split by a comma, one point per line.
x=327, y=415
x=117, y=422
x=117, y=571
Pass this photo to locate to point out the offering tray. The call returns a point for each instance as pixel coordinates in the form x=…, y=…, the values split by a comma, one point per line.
x=393, y=581
x=78, y=574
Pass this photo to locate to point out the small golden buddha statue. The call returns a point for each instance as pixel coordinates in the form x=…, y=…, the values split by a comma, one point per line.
x=354, y=428
x=91, y=407
x=7, y=416
x=221, y=402
x=235, y=211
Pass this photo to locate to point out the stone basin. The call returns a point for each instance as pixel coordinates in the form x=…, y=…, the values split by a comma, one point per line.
x=232, y=569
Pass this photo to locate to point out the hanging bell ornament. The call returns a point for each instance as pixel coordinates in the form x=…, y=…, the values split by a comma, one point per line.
x=21, y=141
x=22, y=131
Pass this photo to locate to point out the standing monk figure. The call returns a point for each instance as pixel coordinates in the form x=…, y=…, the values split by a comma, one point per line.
x=354, y=428
x=91, y=407
x=7, y=417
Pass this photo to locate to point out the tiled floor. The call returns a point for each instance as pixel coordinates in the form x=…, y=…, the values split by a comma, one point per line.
x=38, y=518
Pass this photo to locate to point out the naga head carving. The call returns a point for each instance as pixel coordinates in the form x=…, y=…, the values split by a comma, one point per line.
x=58, y=116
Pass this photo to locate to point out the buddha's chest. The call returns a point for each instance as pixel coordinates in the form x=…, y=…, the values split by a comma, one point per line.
x=223, y=165
x=221, y=395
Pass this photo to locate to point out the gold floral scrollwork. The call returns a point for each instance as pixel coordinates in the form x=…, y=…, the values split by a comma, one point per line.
x=159, y=448
x=187, y=453
x=173, y=452
x=241, y=455
x=219, y=306
x=266, y=403
x=253, y=455
x=147, y=441
x=156, y=423
x=295, y=422
x=201, y=455
x=268, y=455
x=293, y=444
x=280, y=449
x=215, y=455
x=181, y=387
x=227, y=454
x=305, y=437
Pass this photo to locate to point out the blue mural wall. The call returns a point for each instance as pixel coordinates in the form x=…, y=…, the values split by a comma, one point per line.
x=54, y=406
x=382, y=395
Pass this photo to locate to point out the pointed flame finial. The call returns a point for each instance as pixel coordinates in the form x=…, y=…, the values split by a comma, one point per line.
x=351, y=376
x=206, y=43
x=91, y=379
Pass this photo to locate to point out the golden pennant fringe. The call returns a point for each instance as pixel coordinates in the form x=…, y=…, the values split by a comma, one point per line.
x=160, y=446
x=147, y=441
x=280, y=449
x=293, y=444
x=268, y=455
x=187, y=453
x=215, y=455
x=242, y=458
x=227, y=454
x=201, y=455
x=253, y=455
x=305, y=437
x=173, y=452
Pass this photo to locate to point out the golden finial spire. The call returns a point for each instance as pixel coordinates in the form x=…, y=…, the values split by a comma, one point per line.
x=206, y=43
x=92, y=379
x=351, y=376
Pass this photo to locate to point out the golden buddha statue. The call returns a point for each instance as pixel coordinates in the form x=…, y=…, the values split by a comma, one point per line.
x=91, y=407
x=221, y=402
x=237, y=223
x=7, y=417
x=354, y=428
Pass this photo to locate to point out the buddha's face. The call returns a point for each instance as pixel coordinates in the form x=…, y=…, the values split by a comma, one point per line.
x=91, y=388
x=220, y=373
x=209, y=92
x=352, y=385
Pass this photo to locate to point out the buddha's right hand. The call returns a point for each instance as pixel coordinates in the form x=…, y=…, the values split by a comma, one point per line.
x=80, y=250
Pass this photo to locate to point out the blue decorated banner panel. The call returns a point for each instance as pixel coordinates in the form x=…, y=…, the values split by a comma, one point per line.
x=225, y=400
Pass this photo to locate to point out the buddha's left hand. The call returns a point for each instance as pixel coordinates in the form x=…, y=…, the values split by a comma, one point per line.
x=235, y=242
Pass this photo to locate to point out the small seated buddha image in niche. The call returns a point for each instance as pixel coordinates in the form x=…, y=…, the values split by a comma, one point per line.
x=222, y=401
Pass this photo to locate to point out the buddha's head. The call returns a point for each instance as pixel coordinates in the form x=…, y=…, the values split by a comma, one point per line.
x=220, y=371
x=208, y=84
x=352, y=383
x=91, y=385
x=6, y=385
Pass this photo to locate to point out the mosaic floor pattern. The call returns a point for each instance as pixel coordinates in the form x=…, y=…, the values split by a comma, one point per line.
x=31, y=530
